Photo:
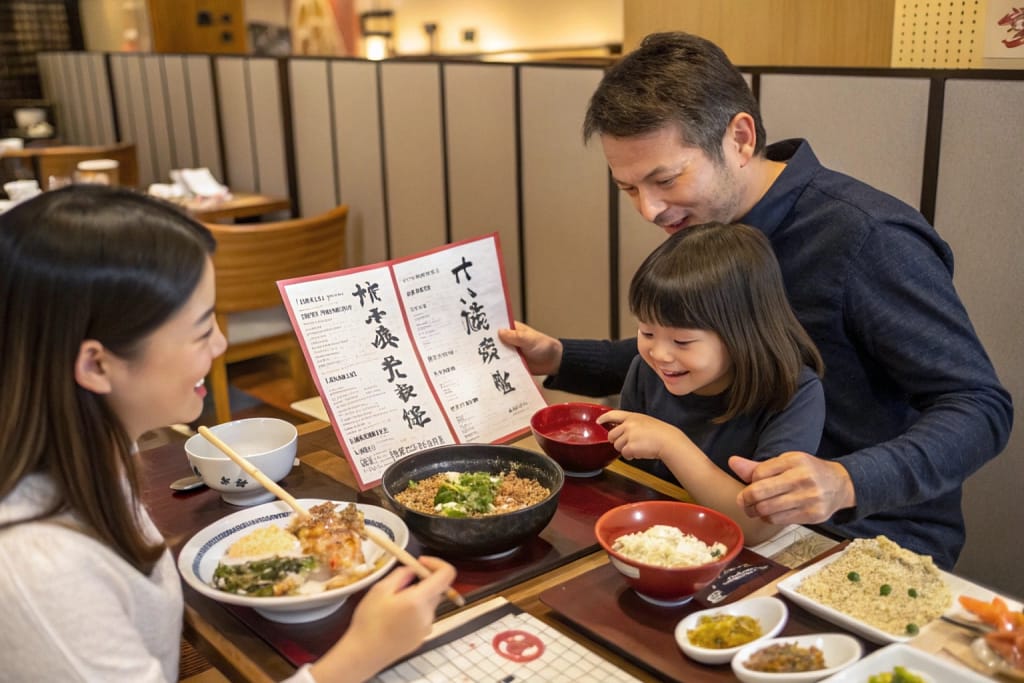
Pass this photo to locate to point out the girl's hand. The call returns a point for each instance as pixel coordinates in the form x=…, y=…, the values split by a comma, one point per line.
x=636, y=435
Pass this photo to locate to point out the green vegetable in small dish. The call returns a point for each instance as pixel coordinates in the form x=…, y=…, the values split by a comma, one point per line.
x=899, y=674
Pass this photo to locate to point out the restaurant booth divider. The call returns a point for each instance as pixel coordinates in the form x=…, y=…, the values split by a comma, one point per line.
x=426, y=151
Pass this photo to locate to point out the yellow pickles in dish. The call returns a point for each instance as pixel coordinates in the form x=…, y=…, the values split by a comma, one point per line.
x=720, y=631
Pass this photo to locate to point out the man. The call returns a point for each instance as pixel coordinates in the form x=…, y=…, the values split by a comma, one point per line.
x=913, y=403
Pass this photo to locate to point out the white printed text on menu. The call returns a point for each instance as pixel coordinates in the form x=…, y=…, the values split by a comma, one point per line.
x=406, y=354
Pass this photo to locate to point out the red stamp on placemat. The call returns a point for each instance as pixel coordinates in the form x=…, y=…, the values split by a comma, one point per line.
x=519, y=646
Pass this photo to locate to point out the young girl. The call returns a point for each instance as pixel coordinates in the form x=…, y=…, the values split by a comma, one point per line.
x=724, y=367
x=106, y=332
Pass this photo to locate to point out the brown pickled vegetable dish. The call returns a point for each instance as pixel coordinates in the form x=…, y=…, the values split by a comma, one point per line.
x=786, y=658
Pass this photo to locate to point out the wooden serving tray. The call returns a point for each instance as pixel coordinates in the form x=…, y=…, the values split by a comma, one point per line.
x=601, y=604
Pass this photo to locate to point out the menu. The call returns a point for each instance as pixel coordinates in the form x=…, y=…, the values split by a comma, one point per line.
x=406, y=355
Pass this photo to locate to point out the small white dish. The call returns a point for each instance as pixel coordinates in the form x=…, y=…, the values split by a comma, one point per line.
x=200, y=556
x=770, y=612
x=931, y=668
x=839, y=650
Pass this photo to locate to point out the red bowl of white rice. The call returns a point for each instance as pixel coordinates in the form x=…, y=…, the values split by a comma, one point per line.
x=668, y=550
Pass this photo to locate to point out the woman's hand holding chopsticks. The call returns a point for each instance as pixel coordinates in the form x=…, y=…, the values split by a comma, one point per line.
x=392, y=620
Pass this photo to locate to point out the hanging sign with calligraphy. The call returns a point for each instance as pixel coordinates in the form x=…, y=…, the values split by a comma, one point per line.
x=406, y=355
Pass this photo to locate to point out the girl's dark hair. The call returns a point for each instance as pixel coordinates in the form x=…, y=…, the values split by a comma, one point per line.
x=85, y=262
x=674, y=79
x=725, y=278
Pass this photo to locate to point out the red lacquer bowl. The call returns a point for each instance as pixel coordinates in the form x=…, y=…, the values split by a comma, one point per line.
x=664, y=585
x=570, y=435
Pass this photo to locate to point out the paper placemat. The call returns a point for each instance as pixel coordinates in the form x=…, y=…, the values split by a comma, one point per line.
x=503, y=644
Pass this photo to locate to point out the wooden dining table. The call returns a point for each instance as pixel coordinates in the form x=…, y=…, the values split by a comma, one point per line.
x=564, y=579
x=240, y=205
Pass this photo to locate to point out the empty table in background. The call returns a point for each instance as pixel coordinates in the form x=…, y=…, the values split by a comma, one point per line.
x=240, y=205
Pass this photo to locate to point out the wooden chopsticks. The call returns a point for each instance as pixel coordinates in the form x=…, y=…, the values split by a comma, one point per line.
x=408, y=560
x=382, y=541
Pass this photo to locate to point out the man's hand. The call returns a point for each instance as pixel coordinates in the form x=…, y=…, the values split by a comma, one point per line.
x=543, y=354
x=793, y=488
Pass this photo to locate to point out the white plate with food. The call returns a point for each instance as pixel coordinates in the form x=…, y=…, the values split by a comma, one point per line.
x=876, y=589
x=290, y=571
x=926, y=667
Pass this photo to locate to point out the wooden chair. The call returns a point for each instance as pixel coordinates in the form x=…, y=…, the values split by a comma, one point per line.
x=62, y=161
x=249, y=260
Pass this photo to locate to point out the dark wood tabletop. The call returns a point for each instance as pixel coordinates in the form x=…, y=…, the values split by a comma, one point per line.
x=249, y=648
x=562, y=578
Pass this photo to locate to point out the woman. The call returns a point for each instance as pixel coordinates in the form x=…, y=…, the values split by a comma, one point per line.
x=106, y=332
x=724, y=367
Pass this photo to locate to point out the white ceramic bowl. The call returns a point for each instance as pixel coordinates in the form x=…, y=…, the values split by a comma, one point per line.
x=266, y=442
x=840, y=651
x=201, y=554
x=770, y=612
x=26, y=117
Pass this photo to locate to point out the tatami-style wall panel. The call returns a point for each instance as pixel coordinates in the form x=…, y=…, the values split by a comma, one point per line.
x=872, y=128
x=565, y=206
x=312, y=133
x=358, y=150
x=636, y=239
x=53, y=90
x=267, y=126
x=168, y=113
x=79, y=83
x=205, y=128
x=179, y=116
x=132, y=92
x=414, y=157
x=72, y=72
x=334, y=106
x=233, y=98
x=483, y=187
x=157, y=105
x=981, y=218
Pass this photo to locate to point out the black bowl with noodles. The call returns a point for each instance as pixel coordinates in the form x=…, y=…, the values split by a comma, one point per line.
x=476, y=537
